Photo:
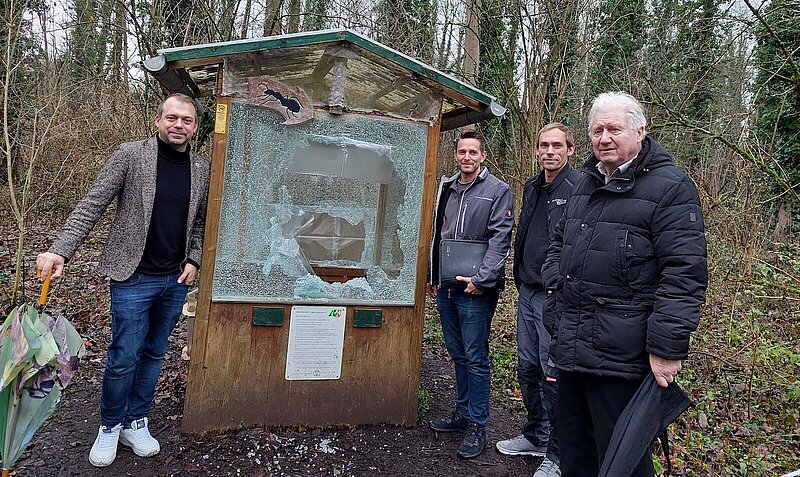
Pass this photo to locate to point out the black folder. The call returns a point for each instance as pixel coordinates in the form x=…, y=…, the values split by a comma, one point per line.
x=460, y=257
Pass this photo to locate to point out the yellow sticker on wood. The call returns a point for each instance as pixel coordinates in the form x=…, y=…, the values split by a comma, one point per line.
x=221, y=121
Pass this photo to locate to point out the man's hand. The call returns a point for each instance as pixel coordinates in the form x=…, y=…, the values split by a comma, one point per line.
x=664, y=369
x=187, y=276
x=471, y=289
x=432, y=290
x=49, y=261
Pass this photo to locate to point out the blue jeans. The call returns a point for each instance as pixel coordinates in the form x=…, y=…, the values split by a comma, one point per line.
x=465, y=324
x=144, y=310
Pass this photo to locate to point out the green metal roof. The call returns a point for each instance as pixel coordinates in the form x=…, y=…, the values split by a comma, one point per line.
x=193, y=69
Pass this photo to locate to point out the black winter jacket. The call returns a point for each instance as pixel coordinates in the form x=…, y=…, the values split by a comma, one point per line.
x=560, y=190
x=628, y=266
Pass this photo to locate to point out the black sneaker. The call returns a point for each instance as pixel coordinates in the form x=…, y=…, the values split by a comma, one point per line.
x=452, y=423
x=473, y=442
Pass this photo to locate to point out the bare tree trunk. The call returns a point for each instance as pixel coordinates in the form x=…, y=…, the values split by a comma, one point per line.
x=781, y=233
x=294, y=16
x=246, y=19
x=118, y=55
x=272, y=11
x=471, y=43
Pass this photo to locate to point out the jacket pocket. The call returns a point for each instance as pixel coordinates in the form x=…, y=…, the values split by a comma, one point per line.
x=620, y=329
x=474, y=217
x=134, y=279
x=640, y=260
x=550, y=312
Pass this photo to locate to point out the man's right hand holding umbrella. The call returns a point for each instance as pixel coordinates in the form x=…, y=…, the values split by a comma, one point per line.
x=49, y=261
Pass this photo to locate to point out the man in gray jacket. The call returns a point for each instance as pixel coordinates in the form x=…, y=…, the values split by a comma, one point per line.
x=151, y=255
x=472, y=206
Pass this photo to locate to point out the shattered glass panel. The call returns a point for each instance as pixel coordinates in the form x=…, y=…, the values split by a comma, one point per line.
x=323, y=212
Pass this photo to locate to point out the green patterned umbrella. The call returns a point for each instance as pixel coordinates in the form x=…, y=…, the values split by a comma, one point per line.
x=39, y=355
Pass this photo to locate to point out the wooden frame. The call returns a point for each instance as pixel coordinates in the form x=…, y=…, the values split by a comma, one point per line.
x=236, y=372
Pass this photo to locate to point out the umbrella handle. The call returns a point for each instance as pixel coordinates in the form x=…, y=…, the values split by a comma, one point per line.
x=45, y=287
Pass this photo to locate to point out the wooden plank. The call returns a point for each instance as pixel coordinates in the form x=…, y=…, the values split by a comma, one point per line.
x=244, y=378
x=322, y=68
x=429, y=188
x=213, y=386
x=268, y=351
x=195, y=381
x=229, y=383
x=236, y=376
x=338, y=274
x=388, y=88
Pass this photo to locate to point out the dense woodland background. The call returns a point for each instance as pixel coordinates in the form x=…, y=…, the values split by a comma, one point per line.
x=721, y=81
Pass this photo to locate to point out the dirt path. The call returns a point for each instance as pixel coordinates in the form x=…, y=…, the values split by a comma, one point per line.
x=62, y=445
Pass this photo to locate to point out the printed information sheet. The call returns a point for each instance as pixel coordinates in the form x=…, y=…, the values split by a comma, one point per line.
x=316, y=341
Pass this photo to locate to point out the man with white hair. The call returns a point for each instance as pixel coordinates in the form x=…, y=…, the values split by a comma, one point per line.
x=626, y=274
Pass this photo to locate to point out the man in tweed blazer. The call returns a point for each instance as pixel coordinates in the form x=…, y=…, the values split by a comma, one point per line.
x=151, y=255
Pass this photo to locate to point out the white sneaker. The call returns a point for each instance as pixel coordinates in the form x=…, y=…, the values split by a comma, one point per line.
x=548, y=468
x=104, y=449
x=520, y=445
x=139, y=439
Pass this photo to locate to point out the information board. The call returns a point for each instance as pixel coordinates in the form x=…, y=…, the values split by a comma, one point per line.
x=316, y=341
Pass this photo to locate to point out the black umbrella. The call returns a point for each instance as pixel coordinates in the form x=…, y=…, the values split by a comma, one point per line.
x=646, y=417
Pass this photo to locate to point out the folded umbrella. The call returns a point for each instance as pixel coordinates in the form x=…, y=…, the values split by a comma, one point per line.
x=646, y=417
x=39, y=355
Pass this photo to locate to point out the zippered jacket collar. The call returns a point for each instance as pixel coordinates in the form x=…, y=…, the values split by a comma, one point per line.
x=652, y=156
x=449, y=180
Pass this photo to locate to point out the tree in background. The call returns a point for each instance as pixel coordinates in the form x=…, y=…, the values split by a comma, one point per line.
x=777, y=97
x=562, y=77
x=408, y=26
x=683, y=55
x=315, y=15
x=90, y=34
x=615, y=63
x=496, y=74
x=551, y=68
x=32, y=97
x=19, y=57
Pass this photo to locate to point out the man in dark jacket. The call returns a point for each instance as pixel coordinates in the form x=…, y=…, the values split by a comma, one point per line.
x=628, y=270
x=477, y=207
x=545, y=197
x=151, y=255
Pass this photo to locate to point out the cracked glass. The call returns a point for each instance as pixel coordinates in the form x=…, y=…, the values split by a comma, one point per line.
x=323, y=212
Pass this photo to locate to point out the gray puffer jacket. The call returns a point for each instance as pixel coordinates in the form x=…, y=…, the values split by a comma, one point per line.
x=628, y=268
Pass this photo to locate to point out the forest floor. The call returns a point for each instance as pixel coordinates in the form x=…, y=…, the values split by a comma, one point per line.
x=743, y=375
x=61, y=446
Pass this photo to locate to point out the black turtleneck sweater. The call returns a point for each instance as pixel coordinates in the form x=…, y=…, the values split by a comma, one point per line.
x=165, y=249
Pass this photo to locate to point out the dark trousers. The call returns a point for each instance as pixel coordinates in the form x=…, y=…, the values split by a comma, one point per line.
x=550, y=389
x=535, y=372
x=588, y=408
